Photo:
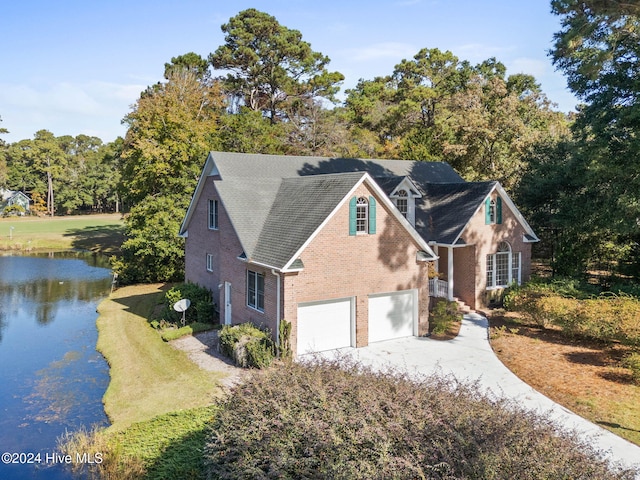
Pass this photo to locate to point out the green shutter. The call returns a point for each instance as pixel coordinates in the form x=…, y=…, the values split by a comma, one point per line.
x=352, y=216
x=372, y=215
x=498, y=210
x=487, y=211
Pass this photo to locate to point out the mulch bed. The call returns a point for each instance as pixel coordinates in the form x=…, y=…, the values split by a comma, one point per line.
x=584, y=376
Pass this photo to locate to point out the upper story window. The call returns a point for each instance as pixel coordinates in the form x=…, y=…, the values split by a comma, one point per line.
x=213, y=214
x=402, y=202
x=493, y=211
x=362, y=215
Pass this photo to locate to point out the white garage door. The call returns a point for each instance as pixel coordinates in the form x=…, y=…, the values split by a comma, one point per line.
x=324, y=326
x=391, y=315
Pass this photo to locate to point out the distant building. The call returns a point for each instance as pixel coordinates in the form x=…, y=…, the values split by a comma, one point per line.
x=9, y=198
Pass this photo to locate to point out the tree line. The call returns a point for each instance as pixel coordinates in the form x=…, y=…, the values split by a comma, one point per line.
x=575, y=177
x=63, y=175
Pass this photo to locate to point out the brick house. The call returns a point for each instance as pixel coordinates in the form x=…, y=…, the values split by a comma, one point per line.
x=341, y=248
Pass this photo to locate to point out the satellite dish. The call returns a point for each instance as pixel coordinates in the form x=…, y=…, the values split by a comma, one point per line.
x=181, y=306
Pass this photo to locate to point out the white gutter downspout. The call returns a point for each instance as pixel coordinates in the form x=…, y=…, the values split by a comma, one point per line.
x=277, y=307
x=450, y=272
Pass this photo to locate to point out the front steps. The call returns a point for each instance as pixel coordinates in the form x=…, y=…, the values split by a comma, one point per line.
x=463, y=307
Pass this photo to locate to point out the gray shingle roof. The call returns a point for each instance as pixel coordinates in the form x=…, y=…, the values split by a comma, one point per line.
x=278, y=166
x=275, y=202
x=300, y=206
x=446, y=208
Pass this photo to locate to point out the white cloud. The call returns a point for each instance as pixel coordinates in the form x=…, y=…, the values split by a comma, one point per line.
x=376, y=51
x=66, y=108
x=478, y=52
x=531, y=66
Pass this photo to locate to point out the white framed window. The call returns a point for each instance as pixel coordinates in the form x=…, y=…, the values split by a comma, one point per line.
x=255, y=290
x=213, y=214
x=503, y=267
x=492, y=211
x=362, y=215
x=515, y=267
x=402, y=202
x=209, y=262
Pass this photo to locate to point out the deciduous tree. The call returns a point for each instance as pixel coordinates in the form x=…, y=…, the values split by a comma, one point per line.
x=3, y=161
x=170, y=129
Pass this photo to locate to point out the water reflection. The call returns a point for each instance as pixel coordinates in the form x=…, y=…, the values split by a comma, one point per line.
x=51, y=375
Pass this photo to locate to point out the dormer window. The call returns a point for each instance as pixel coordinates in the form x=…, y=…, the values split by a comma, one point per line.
x=402, y=202
x=404, y=197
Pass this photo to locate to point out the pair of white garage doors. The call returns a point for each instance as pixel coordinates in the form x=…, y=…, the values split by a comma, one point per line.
x=331, y=324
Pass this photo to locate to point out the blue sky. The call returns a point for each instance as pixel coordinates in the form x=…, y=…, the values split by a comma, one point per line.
x=75, y=67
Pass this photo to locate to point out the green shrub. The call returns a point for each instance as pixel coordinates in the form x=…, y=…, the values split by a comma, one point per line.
x=338, y=419
x=284, y=340
x=169, y=334
x=632, y=362
x=554, y=310
x=247, y=345
x=607, y=317
x=443, y=315
x=525, y=300
x=13, y=210
x=201, y=309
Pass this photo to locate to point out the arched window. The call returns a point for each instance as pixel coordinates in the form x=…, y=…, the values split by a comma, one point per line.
x=362, y=215
x=503, y=267
x=401, y=202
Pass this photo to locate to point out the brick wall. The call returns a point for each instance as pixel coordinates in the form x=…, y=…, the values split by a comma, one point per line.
x=486, y=239
x=225, y=247
x=337, y=265
x=464, y=273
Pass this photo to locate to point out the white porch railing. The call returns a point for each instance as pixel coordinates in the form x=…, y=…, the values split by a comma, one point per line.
x=438, y=288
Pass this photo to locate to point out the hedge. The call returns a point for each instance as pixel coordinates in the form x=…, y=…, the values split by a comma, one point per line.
x=337, y=419
x=607, y=317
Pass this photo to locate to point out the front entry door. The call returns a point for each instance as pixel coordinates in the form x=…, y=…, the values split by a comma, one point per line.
x=227, y=303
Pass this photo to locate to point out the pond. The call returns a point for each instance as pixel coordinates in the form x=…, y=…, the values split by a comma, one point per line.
x=52, y=379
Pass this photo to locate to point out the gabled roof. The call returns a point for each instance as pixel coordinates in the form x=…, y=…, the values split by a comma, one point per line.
x=277, y=203
x=265, y=172
x=299, y=208
x=446, y=209
x=280, y=166
x=6, y=195
x=392, y=183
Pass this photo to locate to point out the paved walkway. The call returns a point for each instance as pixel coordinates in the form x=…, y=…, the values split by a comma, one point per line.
x=469, y=357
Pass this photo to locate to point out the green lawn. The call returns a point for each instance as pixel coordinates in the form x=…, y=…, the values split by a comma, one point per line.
x=158, y=401
x=97, y=233
x=148, y=376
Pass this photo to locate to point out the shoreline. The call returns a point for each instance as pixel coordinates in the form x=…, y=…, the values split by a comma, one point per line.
x=148, y=377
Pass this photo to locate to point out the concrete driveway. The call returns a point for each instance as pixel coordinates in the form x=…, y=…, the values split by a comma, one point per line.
x=469, y=357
